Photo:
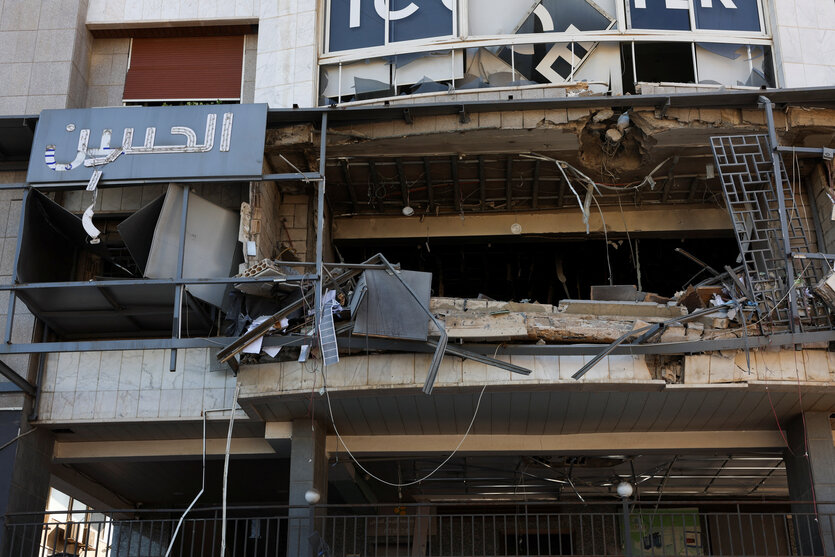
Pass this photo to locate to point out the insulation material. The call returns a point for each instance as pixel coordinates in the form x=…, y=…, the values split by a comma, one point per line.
x=210, y=248
x=377, y=70
x=732, y=64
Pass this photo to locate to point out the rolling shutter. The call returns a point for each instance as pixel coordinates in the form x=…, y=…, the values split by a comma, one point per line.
x=185, y=68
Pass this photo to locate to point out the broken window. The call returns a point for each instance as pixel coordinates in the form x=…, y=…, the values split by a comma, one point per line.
x=404, y=74
x=596, y=64
x=657, y=62
x=499, y=17
x=145, y=244
x=735, y=64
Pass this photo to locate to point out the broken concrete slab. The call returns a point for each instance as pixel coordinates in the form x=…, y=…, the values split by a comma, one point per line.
x=631, y=309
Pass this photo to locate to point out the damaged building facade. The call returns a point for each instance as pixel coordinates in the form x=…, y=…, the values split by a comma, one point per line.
x=440, y=277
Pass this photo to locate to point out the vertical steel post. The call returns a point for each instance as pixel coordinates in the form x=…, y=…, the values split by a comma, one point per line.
x=776, y=161
x=178, y=289
x=320, y=222
x=627, y=532
x=12, y=294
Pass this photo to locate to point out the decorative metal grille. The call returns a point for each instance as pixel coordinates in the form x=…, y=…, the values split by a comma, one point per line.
x=746, y=171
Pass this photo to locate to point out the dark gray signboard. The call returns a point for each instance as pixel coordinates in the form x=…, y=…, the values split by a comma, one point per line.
x=726, y=15
x=147, y=143
x=362, y=23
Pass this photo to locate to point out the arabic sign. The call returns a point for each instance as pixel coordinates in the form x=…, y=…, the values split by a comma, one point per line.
x=362, y=23
x=726, y=15
x=145, y=143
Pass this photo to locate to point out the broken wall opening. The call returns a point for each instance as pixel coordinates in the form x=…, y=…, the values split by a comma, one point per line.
x=534, y=268
x=133, y=246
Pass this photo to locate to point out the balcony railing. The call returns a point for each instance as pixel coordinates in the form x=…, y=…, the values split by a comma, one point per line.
x=494, y=529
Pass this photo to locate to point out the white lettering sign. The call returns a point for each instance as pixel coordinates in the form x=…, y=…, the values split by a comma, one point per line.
x=106, y=154
x=381, y=7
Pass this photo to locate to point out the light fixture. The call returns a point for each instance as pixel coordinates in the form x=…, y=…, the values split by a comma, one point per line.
x=625, y=490
x=408, y=211
x=312, y=496
x=516, y=228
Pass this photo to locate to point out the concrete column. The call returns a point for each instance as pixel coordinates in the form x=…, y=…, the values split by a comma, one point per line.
x=24, y=482
x=812, y=478
x=308, y=470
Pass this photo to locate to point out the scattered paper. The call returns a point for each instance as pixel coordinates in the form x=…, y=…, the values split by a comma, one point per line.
x=272, y=351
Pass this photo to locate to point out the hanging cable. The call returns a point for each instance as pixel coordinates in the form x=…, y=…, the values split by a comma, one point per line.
x=381, y=480
x=196, y=497
x=226, y=470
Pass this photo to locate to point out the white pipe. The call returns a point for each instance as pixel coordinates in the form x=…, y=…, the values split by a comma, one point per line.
x=202, y=489
x=226, y=469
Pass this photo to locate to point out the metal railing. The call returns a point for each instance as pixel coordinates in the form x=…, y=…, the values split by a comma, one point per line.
x=506, y=529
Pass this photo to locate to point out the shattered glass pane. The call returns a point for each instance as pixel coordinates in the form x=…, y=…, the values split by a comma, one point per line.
x=546, y=62
x=734, y=64
x=432, y=66
x=372, y=76
x=500, y=17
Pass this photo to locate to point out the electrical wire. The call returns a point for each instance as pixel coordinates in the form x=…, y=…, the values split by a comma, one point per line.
x=21, y=436
x=381, y=480
x=196, y=497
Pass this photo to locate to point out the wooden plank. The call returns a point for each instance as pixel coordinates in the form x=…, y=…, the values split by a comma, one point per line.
x=388, y=309
x=404, y=190
x=346, y=175
x=456, y=184
x=509, y=183
x=427, y=178
x=652, y=219
x=535, y=187
x=482, y=183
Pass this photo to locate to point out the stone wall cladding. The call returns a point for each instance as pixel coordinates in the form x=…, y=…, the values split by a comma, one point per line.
x=133, y=385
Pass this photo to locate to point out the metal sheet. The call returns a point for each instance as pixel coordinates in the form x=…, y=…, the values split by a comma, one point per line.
x=388, y=309
x=138, y=231
x=211, y=242
x=149, y=143
x=83, y=312
x=51, y=238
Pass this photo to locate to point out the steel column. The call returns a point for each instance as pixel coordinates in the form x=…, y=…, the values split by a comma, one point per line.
x=320, y=223
x=178, y=292
x=781, y=205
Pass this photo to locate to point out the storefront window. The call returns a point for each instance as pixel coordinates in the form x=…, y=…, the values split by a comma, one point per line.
x=539, y=43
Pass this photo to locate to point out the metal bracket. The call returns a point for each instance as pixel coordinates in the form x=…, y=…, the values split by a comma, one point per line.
x=407, y=116
x=662, y=110
x=463, y=117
